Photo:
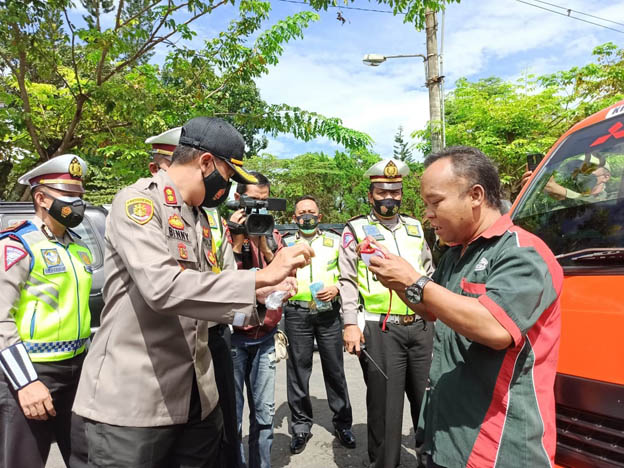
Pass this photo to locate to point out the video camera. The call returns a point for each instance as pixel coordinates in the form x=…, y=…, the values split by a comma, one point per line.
x=258, y=222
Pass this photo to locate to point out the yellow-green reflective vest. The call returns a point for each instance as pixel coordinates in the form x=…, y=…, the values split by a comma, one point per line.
x=407, y=241
x=216, y=226
x=323, y=266
x=52, y=314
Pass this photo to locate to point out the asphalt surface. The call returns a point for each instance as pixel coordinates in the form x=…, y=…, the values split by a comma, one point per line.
x=323, y=450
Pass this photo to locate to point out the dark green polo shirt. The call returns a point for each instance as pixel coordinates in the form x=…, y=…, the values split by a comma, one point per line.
x=485, y=407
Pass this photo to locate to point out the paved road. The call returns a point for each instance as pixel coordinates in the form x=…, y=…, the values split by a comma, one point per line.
x=323, y=451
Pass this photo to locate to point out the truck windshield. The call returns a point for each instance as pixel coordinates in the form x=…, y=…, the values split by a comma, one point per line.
x=576, y=201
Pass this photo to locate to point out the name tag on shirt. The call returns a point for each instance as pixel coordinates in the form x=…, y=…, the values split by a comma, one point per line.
x=373, y=231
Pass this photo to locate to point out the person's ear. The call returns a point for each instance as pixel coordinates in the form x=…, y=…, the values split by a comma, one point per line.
x=320, y=216
x=153, y=168
x=477, y=195
x=206, y=163
x=41, y=200
x=371, y=200
x=237, y=196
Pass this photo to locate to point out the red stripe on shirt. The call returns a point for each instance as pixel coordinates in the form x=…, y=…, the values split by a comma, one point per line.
x=472, y=288
x=486, y=446
x=499, y=314
x=544, y=337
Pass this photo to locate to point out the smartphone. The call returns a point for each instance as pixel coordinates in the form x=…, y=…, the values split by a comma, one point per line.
x=533, y=160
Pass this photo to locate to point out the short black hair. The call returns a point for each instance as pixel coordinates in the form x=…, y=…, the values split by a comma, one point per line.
x=262, y=182
x=185, y=154
x=307, y=197
x=471, y=164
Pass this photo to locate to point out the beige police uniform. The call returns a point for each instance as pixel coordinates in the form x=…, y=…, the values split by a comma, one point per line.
x=159, y=293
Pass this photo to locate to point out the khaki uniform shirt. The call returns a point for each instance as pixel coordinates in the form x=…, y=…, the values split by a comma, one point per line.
x=348, y=265
x=159, y=295
x=13, y=276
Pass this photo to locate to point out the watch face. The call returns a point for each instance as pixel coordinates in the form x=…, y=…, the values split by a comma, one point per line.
x=413, y=294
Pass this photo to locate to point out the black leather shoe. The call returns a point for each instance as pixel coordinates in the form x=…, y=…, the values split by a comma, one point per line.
x=299, y=441
x=346, y=437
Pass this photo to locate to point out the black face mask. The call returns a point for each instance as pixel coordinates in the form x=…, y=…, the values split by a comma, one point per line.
x=217, y=189
x=388, y=207
x=308, y=223
x=69, y=211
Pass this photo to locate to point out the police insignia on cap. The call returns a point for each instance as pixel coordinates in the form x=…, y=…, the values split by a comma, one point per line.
x=182, y=251
x=391, y=170
x=75, y=169
x=176, y=222
x=140, y=210
x=170, y=196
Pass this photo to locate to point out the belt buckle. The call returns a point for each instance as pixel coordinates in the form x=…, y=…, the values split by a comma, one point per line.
x=407, y=319
x=312, y=307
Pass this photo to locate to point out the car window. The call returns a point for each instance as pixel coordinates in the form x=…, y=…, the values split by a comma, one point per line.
x=84, y=230
x=575, y=202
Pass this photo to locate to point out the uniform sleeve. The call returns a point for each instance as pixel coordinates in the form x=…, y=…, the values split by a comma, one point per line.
x=227, y=297
x=227, y=256
x=348, y=284
x=426, y=259
x=14, y=271
x=518, y=289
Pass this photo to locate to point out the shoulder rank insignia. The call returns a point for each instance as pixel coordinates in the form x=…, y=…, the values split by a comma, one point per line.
x=206, y=232
x=170, y=196
x=14, y=227
x=328, y=242
x=140, y=210
x=84, y=256
x=347, y=238
x=53, y=262
x=176, y=222
x=12, y=255
x=182, y=250
x=413, y=230
x=211, y=220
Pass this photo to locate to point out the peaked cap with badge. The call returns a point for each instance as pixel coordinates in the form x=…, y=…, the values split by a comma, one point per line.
x=388, y=174
x=222, y=140
x=63, y=172
x=164, y=144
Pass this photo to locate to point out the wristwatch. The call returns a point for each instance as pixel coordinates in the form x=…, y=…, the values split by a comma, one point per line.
x=414, y=292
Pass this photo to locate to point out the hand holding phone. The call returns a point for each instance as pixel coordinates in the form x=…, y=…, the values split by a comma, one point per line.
x=533, y=160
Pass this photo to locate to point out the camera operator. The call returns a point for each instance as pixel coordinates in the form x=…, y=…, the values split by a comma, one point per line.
x=253, y=347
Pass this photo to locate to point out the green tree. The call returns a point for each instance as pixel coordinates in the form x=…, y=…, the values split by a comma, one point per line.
x=92, y=90
x=402, y=150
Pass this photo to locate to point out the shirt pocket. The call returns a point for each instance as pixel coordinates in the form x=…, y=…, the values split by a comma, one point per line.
x=471, y=289
x=182, y=251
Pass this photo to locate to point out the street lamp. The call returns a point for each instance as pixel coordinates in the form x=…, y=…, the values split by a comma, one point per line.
x=432, y=83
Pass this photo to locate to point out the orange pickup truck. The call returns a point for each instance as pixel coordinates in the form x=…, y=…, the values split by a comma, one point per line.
x=574, y=201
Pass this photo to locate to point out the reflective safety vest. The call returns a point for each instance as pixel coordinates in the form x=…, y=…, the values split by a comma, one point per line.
x=323, y=266
x=52, y=314
x=218, y=227
x=407, y=241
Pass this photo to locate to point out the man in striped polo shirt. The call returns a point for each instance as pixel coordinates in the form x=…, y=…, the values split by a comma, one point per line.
x=495, y=295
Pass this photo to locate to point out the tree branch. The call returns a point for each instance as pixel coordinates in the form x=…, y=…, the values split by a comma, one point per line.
x=69, y=133
x=118, y=17
x=132, y=18
x=73, y=51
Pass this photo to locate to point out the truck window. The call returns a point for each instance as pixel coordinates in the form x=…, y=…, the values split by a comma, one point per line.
x=576, y=201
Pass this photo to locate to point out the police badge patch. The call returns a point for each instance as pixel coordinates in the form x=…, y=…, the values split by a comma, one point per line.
x=12, y=255
x=413, y=230
x=140, y=210
x=53, y=262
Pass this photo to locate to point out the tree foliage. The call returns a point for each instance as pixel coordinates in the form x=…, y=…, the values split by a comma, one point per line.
x=402, y=149
x=89, y=87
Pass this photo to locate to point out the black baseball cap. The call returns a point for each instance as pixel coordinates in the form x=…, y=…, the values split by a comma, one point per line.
x=222, y=140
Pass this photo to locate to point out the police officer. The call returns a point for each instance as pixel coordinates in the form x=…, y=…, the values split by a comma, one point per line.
x=305, y=322
x=45, y=280
x=148, y=387
x=219, y=335
x=396, y=339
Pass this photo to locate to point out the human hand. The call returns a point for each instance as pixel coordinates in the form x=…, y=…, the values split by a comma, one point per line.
x=289, y=285
x=555, y=190
x=525, y=178
x=352, y=337
x=327, y=294
x=284, y=264
x=238, y=216
x=36, y=401
x=393, y=272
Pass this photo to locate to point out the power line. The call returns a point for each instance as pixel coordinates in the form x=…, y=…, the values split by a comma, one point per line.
x=570, y=16
x=570, y=10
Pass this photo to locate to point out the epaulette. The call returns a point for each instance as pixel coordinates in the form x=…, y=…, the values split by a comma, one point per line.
x=356, y=217
x=15, y=227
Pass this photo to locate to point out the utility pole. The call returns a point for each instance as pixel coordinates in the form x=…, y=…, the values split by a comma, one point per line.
x=433, y=80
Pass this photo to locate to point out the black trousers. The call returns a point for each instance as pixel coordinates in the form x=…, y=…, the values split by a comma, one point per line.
x=26, y=442
x=302, y=328
x=220, y=345
x=192, y=445
x=404, y=353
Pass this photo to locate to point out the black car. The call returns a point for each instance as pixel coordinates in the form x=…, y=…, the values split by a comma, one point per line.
x=91, y=231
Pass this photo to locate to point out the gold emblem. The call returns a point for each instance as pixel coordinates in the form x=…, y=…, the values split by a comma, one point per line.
x=140, y=210
x=391, y=171
x=65, y=211
x=75, y=169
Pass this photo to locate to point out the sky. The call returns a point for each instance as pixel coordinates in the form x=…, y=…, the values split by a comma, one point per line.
x=324, y=72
